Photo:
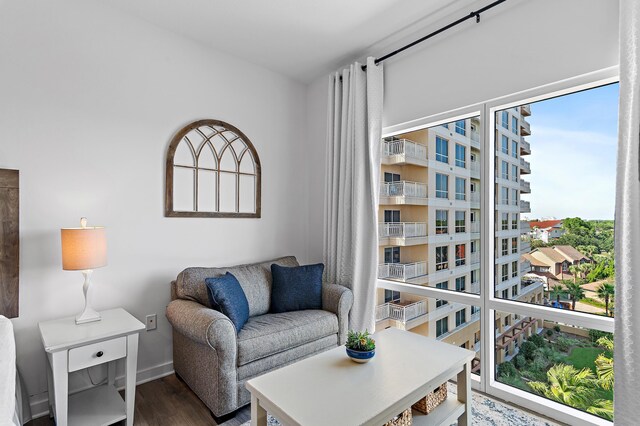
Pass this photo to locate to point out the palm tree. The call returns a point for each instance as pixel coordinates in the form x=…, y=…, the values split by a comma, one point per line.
x=557, y=291
x=606, y=292
x=567, y=385
x=602, y=408
x=574, y=269
x=574, y=291
x=604, y=364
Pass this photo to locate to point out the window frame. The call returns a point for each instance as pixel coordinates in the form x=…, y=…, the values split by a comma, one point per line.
x=488, y=301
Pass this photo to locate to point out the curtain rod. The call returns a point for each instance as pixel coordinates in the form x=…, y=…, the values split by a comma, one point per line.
x=475, y=14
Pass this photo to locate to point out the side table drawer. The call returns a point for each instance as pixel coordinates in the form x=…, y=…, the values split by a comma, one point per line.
x=97, y=353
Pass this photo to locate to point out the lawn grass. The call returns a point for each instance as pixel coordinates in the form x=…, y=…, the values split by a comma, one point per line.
x=584, y=357
x=593, y=302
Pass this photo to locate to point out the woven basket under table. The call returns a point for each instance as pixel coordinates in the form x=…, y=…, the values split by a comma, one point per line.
x=403, y=419
x=432, y=400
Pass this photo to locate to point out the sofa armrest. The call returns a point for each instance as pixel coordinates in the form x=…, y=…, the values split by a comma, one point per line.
x=339, y=300
x=205, y=326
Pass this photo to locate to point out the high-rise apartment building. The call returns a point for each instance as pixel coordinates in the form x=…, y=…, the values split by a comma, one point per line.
x=429, y=231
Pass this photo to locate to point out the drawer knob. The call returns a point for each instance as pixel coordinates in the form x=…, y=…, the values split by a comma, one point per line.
x=99, y=354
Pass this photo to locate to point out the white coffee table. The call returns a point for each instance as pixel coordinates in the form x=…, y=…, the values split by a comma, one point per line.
x=330, y=389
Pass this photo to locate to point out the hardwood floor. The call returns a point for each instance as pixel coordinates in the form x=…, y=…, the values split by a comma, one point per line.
x=167, y=402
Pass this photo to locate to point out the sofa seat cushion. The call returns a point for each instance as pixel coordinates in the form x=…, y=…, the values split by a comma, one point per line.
x=269, y=334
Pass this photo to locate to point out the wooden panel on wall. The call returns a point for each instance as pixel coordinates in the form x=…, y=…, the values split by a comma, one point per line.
x=9, y=242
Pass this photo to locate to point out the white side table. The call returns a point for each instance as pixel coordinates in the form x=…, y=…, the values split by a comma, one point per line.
x=72, y=347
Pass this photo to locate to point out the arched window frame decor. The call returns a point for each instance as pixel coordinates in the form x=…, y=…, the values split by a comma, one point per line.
x=180, y=137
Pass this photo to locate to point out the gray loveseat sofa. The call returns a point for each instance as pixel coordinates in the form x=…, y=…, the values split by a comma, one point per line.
x=216, y=363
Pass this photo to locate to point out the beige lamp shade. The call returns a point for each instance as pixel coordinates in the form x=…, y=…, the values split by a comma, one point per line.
x=83, y=248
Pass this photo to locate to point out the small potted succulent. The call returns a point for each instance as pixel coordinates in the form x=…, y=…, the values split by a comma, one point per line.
x=360, y=346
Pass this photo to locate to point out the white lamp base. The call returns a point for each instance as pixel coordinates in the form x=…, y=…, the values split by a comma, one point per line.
x=88, y=314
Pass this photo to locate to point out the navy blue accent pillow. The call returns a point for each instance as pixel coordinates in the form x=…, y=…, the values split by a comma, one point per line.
x=226, y=296
x=296, y=288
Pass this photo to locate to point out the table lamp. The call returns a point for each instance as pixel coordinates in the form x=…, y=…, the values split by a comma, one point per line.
x=84, y=249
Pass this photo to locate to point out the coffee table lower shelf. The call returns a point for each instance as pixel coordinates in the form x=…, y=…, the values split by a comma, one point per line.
x=444, y=414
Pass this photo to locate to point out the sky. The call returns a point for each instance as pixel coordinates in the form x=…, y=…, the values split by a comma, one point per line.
x=573, y=155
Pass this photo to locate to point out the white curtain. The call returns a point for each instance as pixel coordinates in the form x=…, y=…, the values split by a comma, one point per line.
x=627, y=324
x=354, y=128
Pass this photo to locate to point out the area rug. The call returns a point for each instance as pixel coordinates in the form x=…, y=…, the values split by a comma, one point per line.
x=485, y=411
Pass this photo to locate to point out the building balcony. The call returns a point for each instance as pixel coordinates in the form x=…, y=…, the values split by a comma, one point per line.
x=403, y=192
x=474, y=259
x=514, y=332
x=525, y=147
x=524, y=226
x=404, y=151
x=525, y=167
x=525, y=247
x=525, y=128
x=402, y=233
x=474, y=197
x=475, y=227
x=475, y=169
x=402, y=271
x=525, y=267
x=525, y=206
x=525, y=110
x=525, y=186
x=475, y=139
x=402, y=313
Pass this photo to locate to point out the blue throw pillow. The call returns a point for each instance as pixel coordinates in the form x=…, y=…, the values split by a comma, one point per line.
x=226, y=296
x=296, y=288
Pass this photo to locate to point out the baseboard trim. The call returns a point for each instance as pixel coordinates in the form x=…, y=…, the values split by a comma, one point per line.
x=40, y=403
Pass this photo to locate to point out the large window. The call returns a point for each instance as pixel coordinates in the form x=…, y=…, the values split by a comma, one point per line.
x=442, y=258
x=461, y=127
x=566, y=254
x=461, y=188
x=442, y=186
x=460, y=221
x=442, y=150
x=442, y=221
x=555, y=207
x=444, y=286
x=461, y=156
x=442, y=326
x=461, y=254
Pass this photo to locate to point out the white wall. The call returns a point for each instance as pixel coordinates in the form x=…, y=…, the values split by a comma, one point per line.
x=520, y=45
x=89, y=100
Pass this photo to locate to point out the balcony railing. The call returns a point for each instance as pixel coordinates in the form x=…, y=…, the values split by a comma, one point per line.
x=525, y=166
x=525, y=267
x=475, y=167
x=475, y=197
x=405, y=147
x=525, y=128
x=401, y=313
x=525, y=186
x=525, y=247
x=402, y=229
x=403, y=188
x=525, y=206
x=525, y=147
x=402, y=271
x=524, y=226
x=475, y=136
x=474, y=258
x=475, y=227
x=525, y=110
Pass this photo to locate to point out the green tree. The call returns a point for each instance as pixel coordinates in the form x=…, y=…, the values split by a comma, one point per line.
x=567, y=385
x=606, y=292
x=574, y=291
x=604, y=364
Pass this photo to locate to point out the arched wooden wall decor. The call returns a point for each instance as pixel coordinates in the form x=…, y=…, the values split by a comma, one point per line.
x=212, y=170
